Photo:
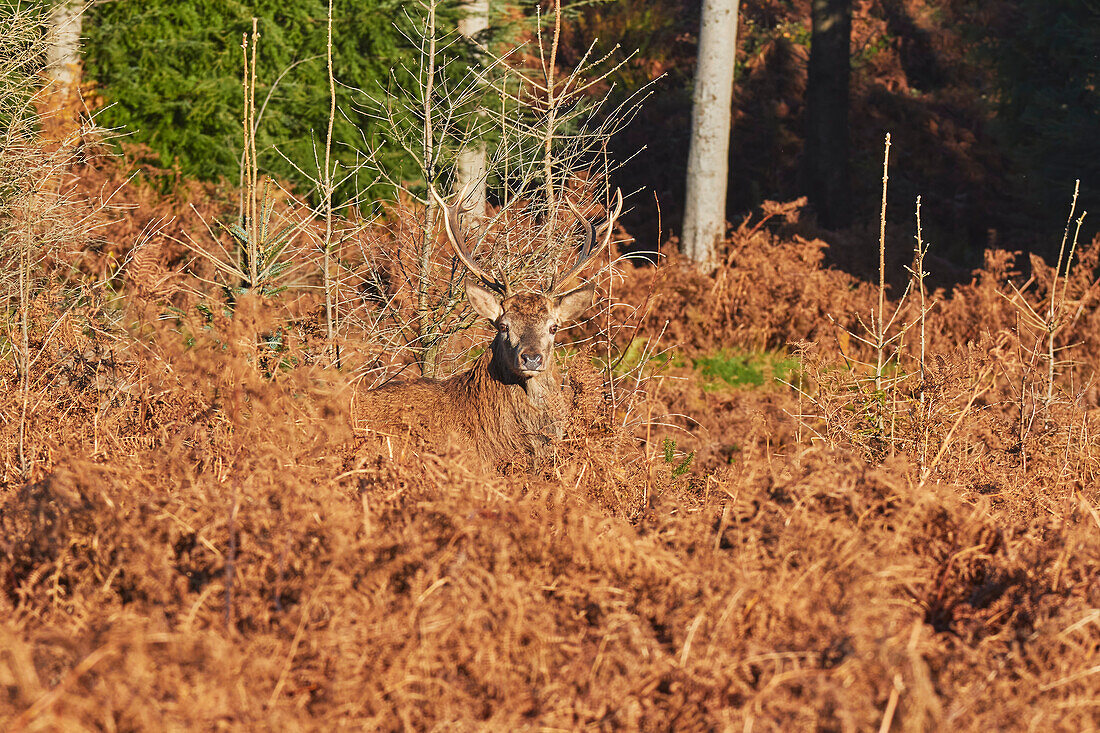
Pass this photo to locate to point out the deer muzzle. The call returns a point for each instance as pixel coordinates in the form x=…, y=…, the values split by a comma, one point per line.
x=531, y=361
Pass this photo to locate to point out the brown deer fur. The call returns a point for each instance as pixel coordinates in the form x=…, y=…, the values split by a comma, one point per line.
x=497, y=409
x=510, y=402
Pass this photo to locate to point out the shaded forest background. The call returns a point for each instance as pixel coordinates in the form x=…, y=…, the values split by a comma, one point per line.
x=992, y=104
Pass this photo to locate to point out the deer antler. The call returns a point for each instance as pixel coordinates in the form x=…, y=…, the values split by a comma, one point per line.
x=588, y=249
x=457, y=237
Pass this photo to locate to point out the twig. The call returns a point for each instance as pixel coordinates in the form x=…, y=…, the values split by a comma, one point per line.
x=881, y=332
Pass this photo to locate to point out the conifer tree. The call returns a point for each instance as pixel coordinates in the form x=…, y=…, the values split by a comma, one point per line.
x=170, y=71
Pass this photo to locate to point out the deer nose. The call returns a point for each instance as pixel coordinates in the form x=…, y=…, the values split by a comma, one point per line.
x=530, y=361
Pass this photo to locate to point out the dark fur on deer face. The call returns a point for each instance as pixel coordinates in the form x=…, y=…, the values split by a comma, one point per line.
x=526, y=324
x=510, y=401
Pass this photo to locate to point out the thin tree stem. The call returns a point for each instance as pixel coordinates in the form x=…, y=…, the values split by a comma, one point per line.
x=551, y=112
x=880, y=337
x=327, y=186
x=423, y=301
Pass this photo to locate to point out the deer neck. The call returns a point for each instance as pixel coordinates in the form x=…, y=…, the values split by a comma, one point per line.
x=513, y=413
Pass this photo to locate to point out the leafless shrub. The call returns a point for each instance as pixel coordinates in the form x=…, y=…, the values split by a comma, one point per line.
x=544, y=141
x=43, y=223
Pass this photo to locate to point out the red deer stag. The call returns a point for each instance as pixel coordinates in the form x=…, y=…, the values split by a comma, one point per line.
x=510, y=402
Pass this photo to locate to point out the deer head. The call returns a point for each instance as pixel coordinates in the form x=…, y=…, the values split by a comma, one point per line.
x=526, y=321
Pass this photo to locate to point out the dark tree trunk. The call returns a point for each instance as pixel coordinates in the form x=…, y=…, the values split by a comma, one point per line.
x=825, y=163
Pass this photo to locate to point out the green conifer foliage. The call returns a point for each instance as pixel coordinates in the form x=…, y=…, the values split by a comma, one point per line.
x=171, y=72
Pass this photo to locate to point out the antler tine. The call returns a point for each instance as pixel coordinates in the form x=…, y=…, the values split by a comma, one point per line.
x=457, y=238
x=589, y=248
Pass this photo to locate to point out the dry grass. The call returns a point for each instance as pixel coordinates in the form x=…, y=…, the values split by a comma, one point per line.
x=194, y=536
x=204, y=542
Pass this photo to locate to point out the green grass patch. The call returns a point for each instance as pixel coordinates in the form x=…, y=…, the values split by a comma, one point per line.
x=637, y=353
x=727, y=369
x=735, y=369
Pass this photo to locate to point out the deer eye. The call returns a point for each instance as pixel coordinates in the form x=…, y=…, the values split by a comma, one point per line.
x=553, y=328
x=503, y=328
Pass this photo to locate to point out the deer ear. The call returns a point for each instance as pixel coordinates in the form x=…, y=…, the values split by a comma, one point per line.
x=484, y=301
x=572, y=304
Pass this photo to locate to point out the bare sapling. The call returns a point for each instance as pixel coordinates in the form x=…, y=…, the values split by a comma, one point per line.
x=429, y=339
x=1040, y=325
x=1048, y=320
x=883, y=336
x=510, y=401
x=428, y=112
x=41, y=220
x=331, y=312
x=266, y=245
x=885, y=407
x=510, y=105
x=918, y=273
x=549, y=68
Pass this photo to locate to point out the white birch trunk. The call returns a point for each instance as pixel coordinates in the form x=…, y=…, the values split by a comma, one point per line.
x=63, y=52
x=471, y=167
x=708, y=157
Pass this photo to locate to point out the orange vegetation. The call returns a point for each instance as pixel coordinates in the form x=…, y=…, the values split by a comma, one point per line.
x=195, y=536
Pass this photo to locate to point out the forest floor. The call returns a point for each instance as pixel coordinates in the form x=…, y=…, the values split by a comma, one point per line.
x=770, y=513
